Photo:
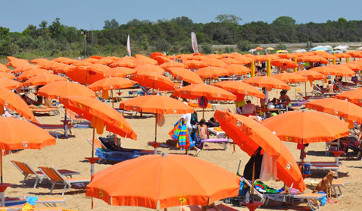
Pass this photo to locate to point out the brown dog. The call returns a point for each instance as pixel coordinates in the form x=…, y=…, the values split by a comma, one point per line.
x=325, y=184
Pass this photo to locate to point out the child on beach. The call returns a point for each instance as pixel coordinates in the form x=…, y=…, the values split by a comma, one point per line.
x=202, y=127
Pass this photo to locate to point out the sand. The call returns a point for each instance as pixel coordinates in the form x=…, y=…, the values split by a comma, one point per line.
x=69, y=153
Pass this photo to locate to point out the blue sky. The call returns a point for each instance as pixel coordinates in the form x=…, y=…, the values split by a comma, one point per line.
x=91, y=14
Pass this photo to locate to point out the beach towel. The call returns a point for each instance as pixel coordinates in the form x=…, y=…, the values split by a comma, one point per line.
x=181, y=135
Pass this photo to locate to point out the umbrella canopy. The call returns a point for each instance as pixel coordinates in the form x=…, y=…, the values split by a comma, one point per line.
x=156, y=104
x=284, y=63
x=248, y=134
x=305, y=127
x=4, y=68
x=311, y=75
x=235, y=69
x=9, y=84
x=167, y=65
x=185, y=75
x=154, y=80
x=211, y=72
x=149, y=68
x=91, y=108
x=18, y=134
x=267, y=82
x=85, y=75
x=111, y=83
x=43, y=79
x=238, y=87
x=203, y=90
x=30, y=137
x=341, y=108
x=195, y=64
x=167, y=180
x=6, y=75
x=334, y=70
x=290, y=77
x=31, y=73
x=119, y=72
x=353, y=96
x=14, y=102
x=65, y=89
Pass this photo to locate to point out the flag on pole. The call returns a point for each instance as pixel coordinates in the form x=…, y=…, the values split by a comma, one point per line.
x=129, y=46
x=194, y=42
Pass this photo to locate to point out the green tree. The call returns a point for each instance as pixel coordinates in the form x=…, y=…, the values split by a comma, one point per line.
x=228, y=18
x=112, y=24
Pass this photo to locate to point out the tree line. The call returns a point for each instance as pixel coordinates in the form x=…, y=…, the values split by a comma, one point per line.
x=172, y=36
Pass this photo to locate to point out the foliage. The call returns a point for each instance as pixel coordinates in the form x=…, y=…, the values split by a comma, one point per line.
x=172, y=36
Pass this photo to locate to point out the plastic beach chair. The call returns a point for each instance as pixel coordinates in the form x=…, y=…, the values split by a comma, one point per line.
x=28, y=171
x=56, y=177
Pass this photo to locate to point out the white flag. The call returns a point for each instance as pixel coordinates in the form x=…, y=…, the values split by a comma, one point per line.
x=129, y=46
x=194, y=42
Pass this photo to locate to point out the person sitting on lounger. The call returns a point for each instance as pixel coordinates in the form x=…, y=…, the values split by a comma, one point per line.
x=249, y=108
x=29, y=101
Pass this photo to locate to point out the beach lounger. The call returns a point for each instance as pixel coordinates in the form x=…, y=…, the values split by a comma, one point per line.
x=310, y=198
x=49, y=111
x=48, y=202
x=222, y=141
x=221, y=207
x=338, y=184
x=55, y=177
x=28, y=171
x=20, y=207
x=55, y=128
x=108, y=151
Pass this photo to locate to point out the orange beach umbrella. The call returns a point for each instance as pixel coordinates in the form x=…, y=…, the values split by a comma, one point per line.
x=161, y=181
x=111, y=83
x=14, y=102
x=311, y=75
x=93, y=110
x=64, y=89
x=185, y=75
x=9, y=84
x=235, y=69
x=203, y=90
x=6, y=75
x=43, y=79
x=248, y=134
x=156, y=104
x=119, y=72
x=284, y=63
x=353, y=96
x=239, y=87
x=267, y=82
x=31, y=73
x=290, y=77
x=154, y=80
x=18, y=134
x=211, y=72
x=341, y=108
x=305, y=127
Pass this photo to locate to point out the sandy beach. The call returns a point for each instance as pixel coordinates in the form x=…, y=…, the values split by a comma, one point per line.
x=69, y=153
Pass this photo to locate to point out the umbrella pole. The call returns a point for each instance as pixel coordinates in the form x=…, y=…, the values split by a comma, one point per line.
x=305, y=89
x=112, y=98
x=252, y=183
x=155, y=146
x=1, y=165
x=203, y=112
x=65, y=123
x=94, y=132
